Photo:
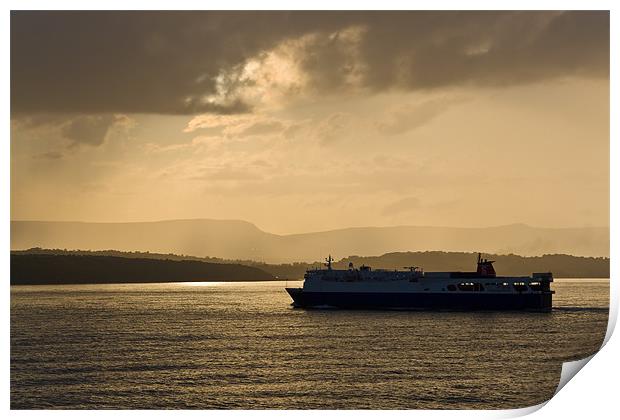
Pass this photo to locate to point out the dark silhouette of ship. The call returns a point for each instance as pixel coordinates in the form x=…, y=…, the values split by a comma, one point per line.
x=365, y=288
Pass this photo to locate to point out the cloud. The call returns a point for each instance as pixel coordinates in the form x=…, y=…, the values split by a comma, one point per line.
x=404, y=205
x=52, y=155
x=93, y=130
x=312, y=63
x=74, y=130
x=105, y=62
x=334, y=128
x=232, y=174
x=260, y=128
x=292, y=130
x=240, y=126
x=227, y=174
x=88, y=130
x=408, y=117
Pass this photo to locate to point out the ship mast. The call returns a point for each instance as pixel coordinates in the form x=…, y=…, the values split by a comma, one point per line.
x=328, y=262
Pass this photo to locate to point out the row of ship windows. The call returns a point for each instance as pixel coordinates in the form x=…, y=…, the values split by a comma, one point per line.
x=476, y=287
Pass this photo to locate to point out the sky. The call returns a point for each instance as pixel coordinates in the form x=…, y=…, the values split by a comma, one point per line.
x=306, y=121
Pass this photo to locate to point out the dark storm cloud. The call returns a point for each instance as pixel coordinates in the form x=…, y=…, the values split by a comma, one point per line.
x=165, y=62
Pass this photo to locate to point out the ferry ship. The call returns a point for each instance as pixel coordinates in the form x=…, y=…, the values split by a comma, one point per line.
x=414, y=289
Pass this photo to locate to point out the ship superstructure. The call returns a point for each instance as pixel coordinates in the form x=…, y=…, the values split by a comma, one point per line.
x=412, y=288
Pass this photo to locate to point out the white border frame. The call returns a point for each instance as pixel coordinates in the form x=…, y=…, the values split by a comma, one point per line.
x=592, y=393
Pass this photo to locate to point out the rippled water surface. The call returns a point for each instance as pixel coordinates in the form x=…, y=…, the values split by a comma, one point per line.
x=240, y=345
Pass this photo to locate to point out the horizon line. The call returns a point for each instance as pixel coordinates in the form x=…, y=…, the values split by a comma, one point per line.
x=207, y=257
x=314, y=231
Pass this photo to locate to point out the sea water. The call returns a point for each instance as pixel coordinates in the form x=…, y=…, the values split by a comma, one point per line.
x=241, y=345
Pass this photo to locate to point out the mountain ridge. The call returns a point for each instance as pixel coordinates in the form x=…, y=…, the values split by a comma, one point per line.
x=562, y=266
x=238, y=239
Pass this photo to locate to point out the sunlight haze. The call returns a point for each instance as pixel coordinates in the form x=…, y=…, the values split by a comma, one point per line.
x=315, y=121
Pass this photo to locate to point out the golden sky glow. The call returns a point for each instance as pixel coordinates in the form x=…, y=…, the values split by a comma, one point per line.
x=305, y=122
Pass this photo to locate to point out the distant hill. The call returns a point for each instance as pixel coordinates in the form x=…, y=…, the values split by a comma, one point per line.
x=562, y=266
x=233, y=239
x=79, y=269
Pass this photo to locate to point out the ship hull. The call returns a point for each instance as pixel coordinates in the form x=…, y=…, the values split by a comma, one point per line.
x=422, y=301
